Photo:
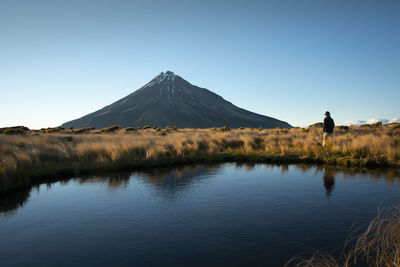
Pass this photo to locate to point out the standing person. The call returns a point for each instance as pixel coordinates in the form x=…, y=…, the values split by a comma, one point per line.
x=329, y=124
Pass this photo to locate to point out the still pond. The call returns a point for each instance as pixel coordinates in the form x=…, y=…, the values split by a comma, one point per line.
x=198, y=215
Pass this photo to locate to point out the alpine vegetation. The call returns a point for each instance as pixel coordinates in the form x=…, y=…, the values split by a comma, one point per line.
x=34, y=155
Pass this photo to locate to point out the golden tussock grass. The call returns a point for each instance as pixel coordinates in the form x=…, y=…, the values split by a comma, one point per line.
x=40, y=154
x=378, y=245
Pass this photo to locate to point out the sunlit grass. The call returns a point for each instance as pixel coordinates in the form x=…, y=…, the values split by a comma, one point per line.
x=27, y=155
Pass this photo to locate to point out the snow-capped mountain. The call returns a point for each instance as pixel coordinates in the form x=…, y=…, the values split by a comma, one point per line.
x=170, y=100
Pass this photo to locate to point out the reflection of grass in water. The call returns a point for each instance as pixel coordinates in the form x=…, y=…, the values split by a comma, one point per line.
x=9, y=204
x=45, y=154
x=378, y=245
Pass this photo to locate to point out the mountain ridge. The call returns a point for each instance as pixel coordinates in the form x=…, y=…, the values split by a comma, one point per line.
x=168, y=99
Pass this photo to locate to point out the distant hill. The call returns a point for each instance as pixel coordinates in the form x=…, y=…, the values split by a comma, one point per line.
x=170, y=100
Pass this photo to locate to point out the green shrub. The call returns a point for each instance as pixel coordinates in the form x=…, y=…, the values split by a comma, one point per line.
x=316, y=125
x=130, y=129
x=52, y=130
x=345, y=128
x=68, y=138
x=377, y=124
x=14, y=130
x=395, y=126
x=365, y=125
x=162, y=133
x=110, y=129
x=83, y=130
x=171, y=128
x=224, y=129
x=78, y=131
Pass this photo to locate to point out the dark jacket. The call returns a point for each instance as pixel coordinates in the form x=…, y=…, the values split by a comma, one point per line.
x=328, y=125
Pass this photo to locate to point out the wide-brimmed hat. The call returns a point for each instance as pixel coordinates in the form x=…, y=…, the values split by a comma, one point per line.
x=327, y=113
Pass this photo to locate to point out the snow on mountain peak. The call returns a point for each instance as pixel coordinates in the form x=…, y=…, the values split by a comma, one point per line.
x=168, y=75
x=163, y=76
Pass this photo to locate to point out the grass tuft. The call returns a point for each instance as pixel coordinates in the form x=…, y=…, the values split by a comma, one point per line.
x=378, y=245
x=46, y=153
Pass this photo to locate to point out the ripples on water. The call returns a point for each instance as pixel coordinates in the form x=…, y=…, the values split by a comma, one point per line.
x=225, y=215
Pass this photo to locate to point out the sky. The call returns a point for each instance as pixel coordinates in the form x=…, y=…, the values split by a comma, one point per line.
x=291, y=60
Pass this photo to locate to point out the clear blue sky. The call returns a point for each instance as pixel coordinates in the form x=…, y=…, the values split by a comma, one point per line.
x=291, y=60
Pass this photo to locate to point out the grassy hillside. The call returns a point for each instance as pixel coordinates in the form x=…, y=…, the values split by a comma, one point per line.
x=28, y=157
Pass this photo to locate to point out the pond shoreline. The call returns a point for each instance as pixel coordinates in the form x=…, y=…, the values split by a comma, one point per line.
x=36, y=175
x=32, y=156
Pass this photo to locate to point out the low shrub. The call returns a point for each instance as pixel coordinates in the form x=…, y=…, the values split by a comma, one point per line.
x=316, y=125
x=14, y=130
x=131, y=129
x=83, y=130
x=340, y=127
x=162, y=133
x=68, y=138
x=377, y=124
x=110, y=129
x=78, y=131
x=224, y=129
x=52, y=130
x=171, y=128
x=394, y=125
x=365, y=126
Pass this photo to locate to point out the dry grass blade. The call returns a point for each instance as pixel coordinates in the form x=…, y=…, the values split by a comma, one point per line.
x=377, y=246
x=319, y=258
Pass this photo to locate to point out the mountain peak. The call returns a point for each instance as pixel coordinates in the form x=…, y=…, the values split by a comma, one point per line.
x=163, y=76
x=168, y=75
x=168, y=99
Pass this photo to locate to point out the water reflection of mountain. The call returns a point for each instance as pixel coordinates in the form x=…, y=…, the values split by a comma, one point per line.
x=170, y=182
x=164, y=178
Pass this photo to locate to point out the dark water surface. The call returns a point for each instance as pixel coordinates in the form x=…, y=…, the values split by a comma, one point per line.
x=203, y=215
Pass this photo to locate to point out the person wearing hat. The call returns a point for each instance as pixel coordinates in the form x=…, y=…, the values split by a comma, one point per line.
x=329, y=124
